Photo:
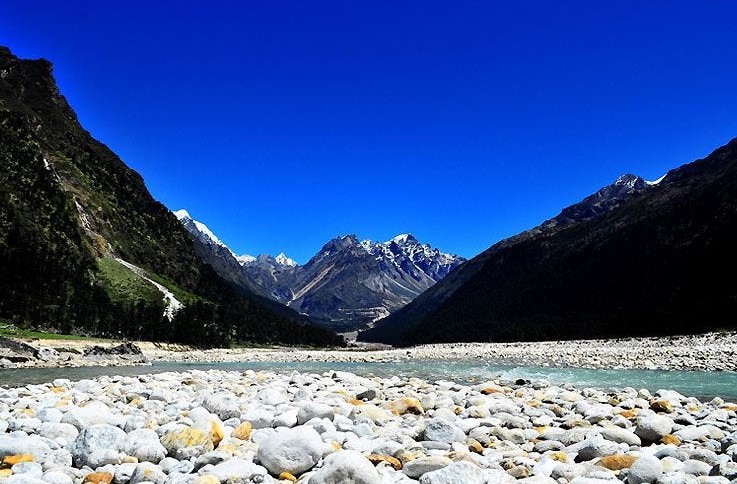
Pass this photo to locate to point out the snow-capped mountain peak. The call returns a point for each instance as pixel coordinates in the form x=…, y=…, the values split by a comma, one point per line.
x=186, y=219
x=245, y=259
x=402, y=239
x=285, y=261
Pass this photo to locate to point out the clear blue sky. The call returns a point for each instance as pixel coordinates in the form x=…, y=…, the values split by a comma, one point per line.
x=284, y=124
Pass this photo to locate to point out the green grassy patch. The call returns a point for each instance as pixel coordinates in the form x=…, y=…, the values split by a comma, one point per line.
x=11, y=331
x=123, y=285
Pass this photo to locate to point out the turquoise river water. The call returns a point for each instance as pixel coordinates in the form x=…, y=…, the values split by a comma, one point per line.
x=690, y=383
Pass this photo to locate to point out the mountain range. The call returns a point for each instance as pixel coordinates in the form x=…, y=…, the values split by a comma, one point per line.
x=84, y=247
x=346, y=286
x=635, y=258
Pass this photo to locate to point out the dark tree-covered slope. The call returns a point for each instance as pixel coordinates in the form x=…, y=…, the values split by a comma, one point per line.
x=651, y=260
x=72, y=213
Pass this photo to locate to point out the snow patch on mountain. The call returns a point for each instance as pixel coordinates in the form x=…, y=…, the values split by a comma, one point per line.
x=285, y=261
x=173, y=305
x=245, y=259
x=185, y=218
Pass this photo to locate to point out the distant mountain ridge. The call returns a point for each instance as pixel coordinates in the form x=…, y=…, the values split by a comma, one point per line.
x=347, y=285
x=635, y=258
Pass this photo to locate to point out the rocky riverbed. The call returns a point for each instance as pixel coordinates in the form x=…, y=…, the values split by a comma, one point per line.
x=707, y=352
x=214, y=426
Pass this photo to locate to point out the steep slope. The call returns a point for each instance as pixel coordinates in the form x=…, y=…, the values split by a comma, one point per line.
x=636, y=258
x=347, y=285
x=74, y=220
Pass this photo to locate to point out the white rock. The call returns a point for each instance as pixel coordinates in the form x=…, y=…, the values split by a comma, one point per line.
x=620, y=435
x=224, y=405
x=346, y=467
x=693, y=432
x=233, y=469
x=53, y=430
x=440, y=430
x=417, y=467
x=94, y=413
x=314, y=410
x=294, y=450
x=147, y=472
x=97, y=443
x=645, y=469
x=57, y=477
x=466, y=473
x=653, y=427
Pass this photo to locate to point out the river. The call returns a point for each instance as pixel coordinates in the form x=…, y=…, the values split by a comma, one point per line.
x=699, y=384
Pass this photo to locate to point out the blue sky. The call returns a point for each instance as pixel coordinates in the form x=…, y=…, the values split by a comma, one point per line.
x=284, y=124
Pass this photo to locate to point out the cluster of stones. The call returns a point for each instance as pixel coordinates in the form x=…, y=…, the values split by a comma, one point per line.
x=231, y=427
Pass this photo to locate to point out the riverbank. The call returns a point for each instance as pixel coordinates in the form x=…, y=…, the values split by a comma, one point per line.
x=207, y=427
x=708, y=352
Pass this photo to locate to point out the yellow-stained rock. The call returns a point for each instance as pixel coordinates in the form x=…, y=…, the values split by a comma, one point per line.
x=187, y=437
x=534, y=403
x=58, y=390
x=630, y=413
x=404, y=405
x=98, y=478
x=286, y=476
x=475, y=446
x=406, y=456
x=355, y=401
x=617, y=462
x=30, y=412
x=206, y=479
x=559, y=456
x=11, y=460
x=5, y=473
x=671, y=439
x=243, y=431
x=217, y=432
x=730, y=407
x=336, y=446
x=393, y=461
x=662, y=406
x=490, y=390
x=129, y=459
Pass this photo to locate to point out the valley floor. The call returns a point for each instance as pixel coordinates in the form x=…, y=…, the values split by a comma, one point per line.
x=708, y=352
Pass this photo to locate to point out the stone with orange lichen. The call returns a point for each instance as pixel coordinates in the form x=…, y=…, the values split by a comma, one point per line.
x=405, y=405
x=617, y=462
x=98, y=478
x=662, y=406
x=243, y=431
x=475, y=446
x=630, y=413
x=393, y=461
x=11, y=460
x=671, y=439
x=489, y=390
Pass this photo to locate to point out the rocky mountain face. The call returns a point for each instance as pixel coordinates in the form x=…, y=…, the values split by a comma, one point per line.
x=635, y=258
x=85, y=248
x=347, y=285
